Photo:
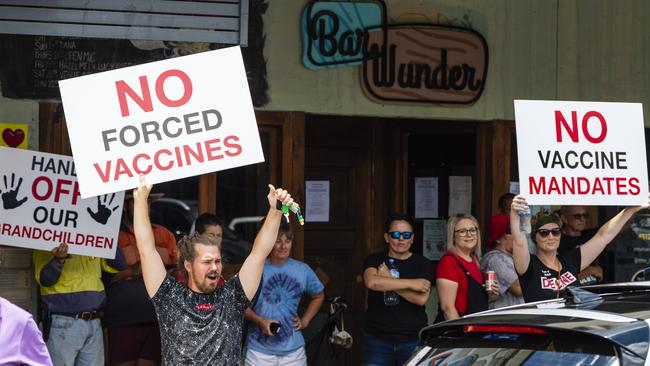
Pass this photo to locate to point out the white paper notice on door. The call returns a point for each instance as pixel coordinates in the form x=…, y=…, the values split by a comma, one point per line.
x=434, y=236
x=426, y=197
x=514, y=187
x=317, y=205
x=460, y=195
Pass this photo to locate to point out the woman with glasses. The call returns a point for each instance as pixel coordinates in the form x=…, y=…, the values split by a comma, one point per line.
x=458, y=278
x=398, y=283
x=546, y=275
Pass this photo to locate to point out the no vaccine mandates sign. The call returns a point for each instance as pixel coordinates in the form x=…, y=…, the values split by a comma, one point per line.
x=581, y=153
x=168, y=120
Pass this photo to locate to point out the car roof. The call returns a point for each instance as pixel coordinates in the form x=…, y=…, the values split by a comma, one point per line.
x=612, y=311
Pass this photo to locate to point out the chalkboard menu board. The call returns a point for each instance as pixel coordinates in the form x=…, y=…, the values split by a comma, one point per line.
x=31, y=66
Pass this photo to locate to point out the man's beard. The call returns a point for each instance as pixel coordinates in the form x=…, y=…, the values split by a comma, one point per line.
x=207, y=285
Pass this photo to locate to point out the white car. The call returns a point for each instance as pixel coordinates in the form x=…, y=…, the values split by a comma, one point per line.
x=595, y=325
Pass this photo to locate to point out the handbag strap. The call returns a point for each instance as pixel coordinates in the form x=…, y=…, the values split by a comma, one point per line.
x=333, y=311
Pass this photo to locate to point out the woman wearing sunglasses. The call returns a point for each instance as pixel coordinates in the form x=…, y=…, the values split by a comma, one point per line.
x=396, y=303
x=546, y=275
x=458, y=278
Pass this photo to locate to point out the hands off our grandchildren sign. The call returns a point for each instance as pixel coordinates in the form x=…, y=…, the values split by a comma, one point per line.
x=42, y=207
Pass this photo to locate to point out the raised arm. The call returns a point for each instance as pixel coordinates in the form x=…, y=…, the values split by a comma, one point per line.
x=153, y=269
x=594, y=246
x=251, y=271
x=520, y=253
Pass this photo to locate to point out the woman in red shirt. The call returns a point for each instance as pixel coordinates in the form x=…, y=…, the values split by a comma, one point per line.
x=458, y=278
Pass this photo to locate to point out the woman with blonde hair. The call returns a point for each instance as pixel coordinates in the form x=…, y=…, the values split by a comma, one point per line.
x=459, y=279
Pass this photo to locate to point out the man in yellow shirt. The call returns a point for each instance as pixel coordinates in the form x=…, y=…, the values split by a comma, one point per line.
x=73, y=293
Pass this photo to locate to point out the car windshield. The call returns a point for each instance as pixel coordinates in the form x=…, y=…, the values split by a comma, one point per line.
x=515, y=349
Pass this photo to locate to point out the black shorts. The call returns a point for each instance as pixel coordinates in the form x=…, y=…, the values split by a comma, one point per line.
x=134, y=342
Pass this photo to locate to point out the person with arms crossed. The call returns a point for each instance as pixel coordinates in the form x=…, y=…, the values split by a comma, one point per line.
x=392, y=324
x=284, y=281
x=201, y=323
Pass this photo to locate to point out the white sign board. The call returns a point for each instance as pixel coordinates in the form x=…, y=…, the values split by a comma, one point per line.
x=42, y=207
x=581, y=153
x=168, y=119
x=514, y=187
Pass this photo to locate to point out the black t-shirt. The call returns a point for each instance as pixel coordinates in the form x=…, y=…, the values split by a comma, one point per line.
x=568, y=243
x=542, y=283
x=201, y=329
x=402, y=322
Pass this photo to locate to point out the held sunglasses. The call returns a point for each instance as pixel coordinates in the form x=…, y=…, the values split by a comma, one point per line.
x=546, y=232
x=403, y=234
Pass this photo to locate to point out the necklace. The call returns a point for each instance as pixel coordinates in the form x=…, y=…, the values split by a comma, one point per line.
x=559, y=279
x=552, y=264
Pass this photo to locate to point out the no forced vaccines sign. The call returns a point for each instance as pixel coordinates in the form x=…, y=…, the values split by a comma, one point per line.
x=167, y=119
x=581, y=153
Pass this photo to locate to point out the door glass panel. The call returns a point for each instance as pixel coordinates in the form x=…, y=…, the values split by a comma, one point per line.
x=177, y=208
x=242, y=203
x=439, y=155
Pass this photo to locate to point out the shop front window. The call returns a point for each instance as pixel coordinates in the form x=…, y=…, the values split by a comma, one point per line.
x=241, y=201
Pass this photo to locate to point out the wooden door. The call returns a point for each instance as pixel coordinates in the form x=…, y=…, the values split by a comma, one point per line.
x=339, y=246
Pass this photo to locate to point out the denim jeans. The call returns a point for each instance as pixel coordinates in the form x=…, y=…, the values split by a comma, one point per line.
x=75, y=342
x=377, y=352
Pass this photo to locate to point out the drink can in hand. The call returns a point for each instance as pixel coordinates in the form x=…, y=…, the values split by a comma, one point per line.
x=490, y=281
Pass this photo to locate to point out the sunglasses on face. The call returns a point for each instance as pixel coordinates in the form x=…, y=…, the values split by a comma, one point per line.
x=580, y=216
x=403, y=234
x=466, y=232
x=545, y=232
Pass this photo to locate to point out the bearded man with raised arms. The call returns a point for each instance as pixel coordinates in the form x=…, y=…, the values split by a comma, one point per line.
x=201, y=324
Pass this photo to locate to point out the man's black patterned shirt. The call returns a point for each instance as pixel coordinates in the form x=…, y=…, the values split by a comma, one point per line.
x=200, y=329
